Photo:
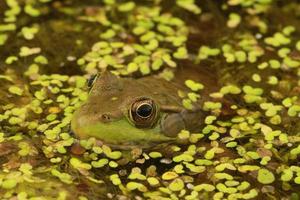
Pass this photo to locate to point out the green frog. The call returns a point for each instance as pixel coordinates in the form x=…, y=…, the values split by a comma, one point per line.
x=129, y=112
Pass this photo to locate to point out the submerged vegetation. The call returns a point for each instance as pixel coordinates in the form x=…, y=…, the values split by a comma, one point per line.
x=49, y=49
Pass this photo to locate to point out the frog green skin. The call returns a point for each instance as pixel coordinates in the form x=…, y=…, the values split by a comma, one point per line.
x=127, y=112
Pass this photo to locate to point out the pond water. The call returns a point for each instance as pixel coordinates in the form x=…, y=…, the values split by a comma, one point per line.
x=232, y=65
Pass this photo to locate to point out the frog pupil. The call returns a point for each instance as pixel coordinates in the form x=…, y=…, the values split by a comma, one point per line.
x=144, y=110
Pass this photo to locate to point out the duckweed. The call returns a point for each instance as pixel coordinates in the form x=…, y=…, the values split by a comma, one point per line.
x=169, y=175
x=76, y=163
x=286, y=175
x=29, y=32
x=183, y=157
x=155, y=154
x=222, y=188
x=111, y=154
x=100, y=163
x=3, y=38
x=7, y=27
x=194, y=86
x=16, y=90
x=115, y=179
x=136, y=186
x=64, y=177
x=176, y=185
x=277, y=40
x=230, y=89
x=189, y=5
x=9, y=184
x=265, y=176
x=234, y=20
x=209, y=105
x=153, y=181
x=298, y=45
x=293, y=110
x=205, y=52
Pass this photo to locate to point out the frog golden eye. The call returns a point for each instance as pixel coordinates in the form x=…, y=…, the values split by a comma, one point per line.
x=143, y=113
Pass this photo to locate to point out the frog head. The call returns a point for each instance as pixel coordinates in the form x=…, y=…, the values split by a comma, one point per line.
x=127, y=111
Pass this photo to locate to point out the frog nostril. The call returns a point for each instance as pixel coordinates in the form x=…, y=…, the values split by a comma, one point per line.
x=105, y=117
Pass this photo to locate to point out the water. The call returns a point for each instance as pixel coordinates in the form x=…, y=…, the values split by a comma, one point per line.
x=248, y=149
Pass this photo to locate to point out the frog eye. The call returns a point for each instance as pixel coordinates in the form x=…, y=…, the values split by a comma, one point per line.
x=143, y=113
x=91, y=81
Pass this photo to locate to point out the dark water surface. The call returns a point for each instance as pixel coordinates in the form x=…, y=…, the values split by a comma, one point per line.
x=248, y=52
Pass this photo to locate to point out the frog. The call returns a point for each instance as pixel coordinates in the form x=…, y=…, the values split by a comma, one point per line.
x=127, y=112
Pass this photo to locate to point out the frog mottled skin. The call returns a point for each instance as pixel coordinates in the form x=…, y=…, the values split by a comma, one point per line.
x=136, y=112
